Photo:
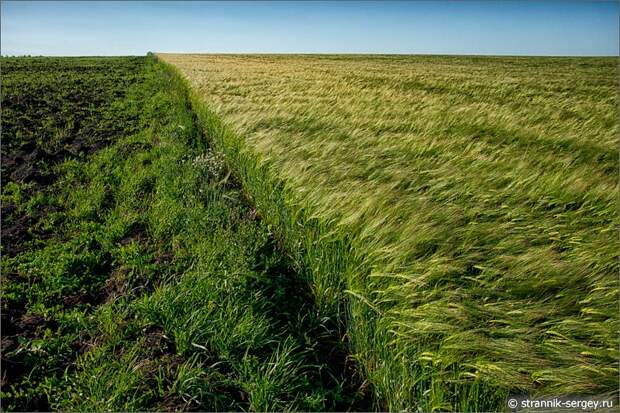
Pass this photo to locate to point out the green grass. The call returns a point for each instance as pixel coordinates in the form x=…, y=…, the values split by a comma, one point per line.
x=148, y=282
x=320, y=233
x=458, y=215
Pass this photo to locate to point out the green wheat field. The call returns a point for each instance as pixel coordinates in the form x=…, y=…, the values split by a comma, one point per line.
x=308, y=232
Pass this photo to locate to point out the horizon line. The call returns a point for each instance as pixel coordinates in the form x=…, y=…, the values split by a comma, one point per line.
x=322, y=54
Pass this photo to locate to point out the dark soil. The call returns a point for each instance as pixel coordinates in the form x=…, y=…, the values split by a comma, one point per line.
x=52, y=110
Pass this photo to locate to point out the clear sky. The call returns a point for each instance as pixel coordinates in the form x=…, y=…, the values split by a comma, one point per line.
x=413, y=27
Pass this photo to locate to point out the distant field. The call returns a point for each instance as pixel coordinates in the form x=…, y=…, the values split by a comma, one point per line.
x=465, y=208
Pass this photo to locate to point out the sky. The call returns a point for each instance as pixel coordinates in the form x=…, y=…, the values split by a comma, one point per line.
x=492, y=27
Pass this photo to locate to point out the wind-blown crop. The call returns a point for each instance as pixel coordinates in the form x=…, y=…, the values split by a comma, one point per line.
x=465, y=208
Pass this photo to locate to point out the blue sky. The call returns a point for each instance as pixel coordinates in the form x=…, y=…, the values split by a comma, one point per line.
x=411, y=27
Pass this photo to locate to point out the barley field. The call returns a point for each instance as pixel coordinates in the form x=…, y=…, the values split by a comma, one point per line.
x=459, y=215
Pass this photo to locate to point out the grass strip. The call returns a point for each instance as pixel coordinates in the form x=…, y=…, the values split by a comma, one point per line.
x=162, y=289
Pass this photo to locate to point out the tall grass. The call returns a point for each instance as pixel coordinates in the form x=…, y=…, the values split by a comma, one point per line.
x=458, y=214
